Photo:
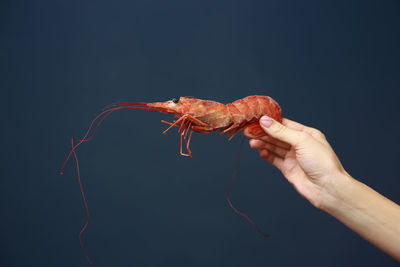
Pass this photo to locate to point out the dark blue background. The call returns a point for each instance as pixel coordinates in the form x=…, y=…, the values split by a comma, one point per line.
x=332, y=65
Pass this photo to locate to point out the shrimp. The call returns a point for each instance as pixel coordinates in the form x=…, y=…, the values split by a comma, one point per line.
x=205, y=116
x=193, y=115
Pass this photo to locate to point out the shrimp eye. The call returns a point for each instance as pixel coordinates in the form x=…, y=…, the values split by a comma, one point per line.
x=175, y=100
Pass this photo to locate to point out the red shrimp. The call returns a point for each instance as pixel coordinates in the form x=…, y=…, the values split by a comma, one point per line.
x=193, y=115
x=205, y=116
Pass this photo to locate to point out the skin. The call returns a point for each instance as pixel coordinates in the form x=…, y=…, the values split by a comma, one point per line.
x=308, y=162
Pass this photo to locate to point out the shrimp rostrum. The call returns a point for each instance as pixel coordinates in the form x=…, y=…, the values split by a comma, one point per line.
x=205, y=116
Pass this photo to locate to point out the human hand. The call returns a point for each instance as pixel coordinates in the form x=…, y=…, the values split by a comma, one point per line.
x=309, y=163
x=304, y=157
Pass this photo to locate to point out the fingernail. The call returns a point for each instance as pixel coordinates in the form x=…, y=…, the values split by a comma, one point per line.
x=266, y=121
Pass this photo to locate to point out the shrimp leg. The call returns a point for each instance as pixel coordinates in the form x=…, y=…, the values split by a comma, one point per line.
x=185, y=117
x=230, y=129
x=187, y=129
x=185, y=124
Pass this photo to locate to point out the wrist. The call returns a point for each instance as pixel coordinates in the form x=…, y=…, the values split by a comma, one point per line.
x=337, y=194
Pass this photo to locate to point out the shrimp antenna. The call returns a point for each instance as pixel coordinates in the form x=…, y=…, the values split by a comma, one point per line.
x=229, y=190
x=92, y=129
x=86, y=207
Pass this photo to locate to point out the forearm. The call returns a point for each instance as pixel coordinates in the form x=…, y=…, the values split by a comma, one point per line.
x=368, y=213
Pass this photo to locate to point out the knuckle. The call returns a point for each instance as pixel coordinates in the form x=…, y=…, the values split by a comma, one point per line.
x=317, y=133
x=302, y=137
x=280, y=129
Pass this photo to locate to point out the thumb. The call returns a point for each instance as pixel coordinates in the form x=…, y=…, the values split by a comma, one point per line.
x=280, y=131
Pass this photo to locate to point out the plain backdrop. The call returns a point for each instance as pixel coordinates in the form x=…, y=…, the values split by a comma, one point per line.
x=333, y=65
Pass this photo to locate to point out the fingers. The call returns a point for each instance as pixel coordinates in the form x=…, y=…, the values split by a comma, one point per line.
x=261, y=145
x=281, y=132
x=295, y=126
x=269, y=139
